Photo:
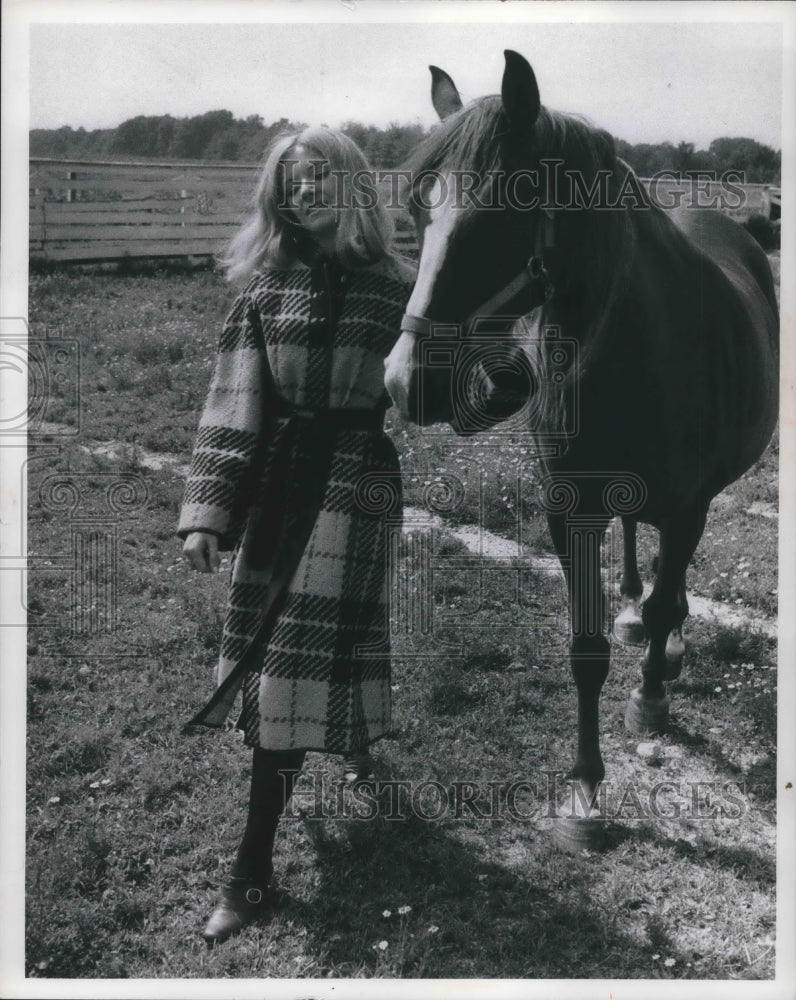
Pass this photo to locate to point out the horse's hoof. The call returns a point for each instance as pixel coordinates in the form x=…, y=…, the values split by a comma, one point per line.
x=630, y=633
x=576, y=833
x=675, y=651
x=628, y=626
x=646, y=716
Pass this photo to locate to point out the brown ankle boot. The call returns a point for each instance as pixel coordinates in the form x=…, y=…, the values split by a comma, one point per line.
x=242, y=901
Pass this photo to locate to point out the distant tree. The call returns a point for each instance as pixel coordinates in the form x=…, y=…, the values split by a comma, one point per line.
x=384, y=148
x=684, y=157
x=760, y=163
x=655, y=158
x=39, y=142
x=223, y=146
x=218, y=135
x=137, y=136
x=358, y=133
x=62, y=142
x=165, y=135
x=192, y=136
x=280, y=127
x=398, y=143
x=101, y=142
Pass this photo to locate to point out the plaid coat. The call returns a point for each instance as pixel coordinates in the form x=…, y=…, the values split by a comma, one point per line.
x=291, y=468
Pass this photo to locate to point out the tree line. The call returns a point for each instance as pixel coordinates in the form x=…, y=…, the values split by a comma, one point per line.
x=219, y=136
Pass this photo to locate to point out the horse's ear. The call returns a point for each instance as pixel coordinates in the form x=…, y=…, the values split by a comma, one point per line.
x=444, y=95
x=520, y=92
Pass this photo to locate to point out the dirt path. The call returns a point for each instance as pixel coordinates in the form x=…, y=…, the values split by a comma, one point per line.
x=485, y=543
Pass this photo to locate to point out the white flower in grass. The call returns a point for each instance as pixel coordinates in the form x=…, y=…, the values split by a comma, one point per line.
x=433, y=929
x=382, y=945
x=387, y=913
x=403, y=910
x=669, y=962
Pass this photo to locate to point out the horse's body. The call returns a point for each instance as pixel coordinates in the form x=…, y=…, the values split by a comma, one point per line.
x=683, y=390
x=674, y=373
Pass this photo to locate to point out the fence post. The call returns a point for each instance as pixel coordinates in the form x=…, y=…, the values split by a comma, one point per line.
x=70, y=194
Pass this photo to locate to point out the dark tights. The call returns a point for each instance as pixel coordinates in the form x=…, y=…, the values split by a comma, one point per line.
x=274, y=774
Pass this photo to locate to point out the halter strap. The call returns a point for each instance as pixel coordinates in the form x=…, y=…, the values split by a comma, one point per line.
x=533, y=274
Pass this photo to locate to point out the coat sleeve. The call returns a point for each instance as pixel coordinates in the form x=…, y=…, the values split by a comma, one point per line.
x=231, y=433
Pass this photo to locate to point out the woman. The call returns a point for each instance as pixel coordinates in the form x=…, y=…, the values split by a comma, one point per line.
x=289, y=456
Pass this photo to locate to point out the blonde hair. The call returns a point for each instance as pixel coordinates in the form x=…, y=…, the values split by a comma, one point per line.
x=267, y=237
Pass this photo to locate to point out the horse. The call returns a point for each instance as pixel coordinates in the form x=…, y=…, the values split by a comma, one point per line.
x=642, y=343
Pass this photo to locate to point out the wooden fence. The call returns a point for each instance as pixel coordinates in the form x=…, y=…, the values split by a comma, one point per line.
x=88, y=211
x=104, y=211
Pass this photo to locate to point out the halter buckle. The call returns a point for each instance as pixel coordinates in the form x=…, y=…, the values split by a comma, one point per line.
x=537, y=271
x=536, y=268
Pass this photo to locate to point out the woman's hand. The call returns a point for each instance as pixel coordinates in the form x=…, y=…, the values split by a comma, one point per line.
x=201, y=551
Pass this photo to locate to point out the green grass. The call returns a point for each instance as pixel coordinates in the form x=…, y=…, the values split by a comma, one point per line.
x=131, y=825
x=143, y=340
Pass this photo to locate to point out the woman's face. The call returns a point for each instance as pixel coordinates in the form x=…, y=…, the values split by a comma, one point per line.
x=310, y=188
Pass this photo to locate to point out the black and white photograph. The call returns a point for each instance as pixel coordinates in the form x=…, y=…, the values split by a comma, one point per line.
x=397, y=530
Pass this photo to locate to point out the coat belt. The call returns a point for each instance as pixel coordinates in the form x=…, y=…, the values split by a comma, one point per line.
x=363, y=418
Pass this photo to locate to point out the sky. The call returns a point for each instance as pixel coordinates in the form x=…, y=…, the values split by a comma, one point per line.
x=664, y=80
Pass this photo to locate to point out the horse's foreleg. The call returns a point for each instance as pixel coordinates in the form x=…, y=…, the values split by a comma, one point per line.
x=629, y=626
x=675, y=643
x=663, y=614
x=578, y=545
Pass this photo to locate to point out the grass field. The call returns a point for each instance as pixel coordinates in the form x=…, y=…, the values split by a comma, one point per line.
x=131, y=826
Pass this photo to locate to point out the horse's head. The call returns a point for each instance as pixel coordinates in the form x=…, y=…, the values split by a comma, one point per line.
x=472, y=195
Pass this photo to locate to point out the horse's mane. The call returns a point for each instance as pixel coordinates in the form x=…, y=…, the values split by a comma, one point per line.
x=471, y=140
x=468, y=140
x=594, y=248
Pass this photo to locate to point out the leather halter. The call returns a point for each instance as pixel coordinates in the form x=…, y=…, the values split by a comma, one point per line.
x=534, y=275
